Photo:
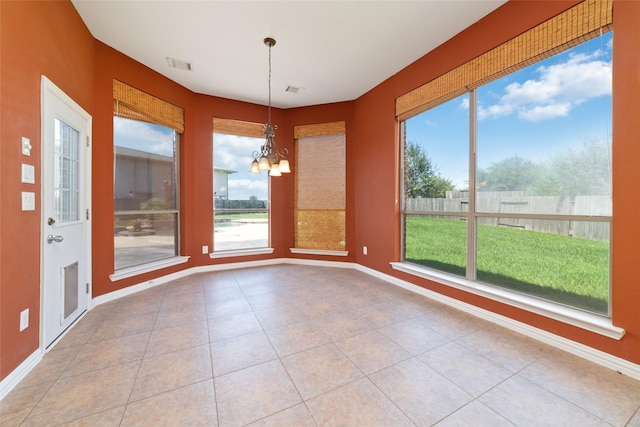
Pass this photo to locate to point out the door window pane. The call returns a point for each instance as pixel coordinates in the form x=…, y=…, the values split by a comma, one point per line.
x=66, y=164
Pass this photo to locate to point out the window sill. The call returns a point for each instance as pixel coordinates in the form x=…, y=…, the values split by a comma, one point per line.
x=240, y=252
x=318, y=252
x=147, y=268
x=582, y=319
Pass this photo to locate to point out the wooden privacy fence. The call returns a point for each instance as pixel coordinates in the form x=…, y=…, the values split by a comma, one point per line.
x=504, y=203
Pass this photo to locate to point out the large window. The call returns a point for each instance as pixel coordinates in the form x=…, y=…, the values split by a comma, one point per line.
x=510, y=183
x=145, y=193
x=146, y=209
x=241, y=199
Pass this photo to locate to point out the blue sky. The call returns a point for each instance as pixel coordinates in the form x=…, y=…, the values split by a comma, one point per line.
x=542, y=110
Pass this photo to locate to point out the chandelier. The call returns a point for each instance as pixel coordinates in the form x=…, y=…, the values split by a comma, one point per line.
x=269, y=157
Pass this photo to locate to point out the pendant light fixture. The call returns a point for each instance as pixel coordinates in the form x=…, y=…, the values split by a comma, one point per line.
x=269, y=157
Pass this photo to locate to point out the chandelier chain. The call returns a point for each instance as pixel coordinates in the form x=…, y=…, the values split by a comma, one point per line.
x=269, y=113
x=269, y=157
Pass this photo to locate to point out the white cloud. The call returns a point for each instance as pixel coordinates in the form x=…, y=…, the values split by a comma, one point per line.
x=143, y=136
x=557, y=90
x=464, y=104
x=234, y=152
x=243, y=188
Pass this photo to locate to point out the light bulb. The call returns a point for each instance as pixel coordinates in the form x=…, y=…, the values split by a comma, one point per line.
x=255, y=167
x=275, y=170
x=284, y=166
x=264, y=163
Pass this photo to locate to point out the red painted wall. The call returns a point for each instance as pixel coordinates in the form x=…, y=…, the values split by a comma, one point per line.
x=38, y=38
x=64, y=50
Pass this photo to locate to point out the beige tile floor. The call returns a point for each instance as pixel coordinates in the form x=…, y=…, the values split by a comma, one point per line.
x=305, y=346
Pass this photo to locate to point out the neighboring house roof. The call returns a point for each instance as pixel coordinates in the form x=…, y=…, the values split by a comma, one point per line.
x=139, y=154
x=228, y=171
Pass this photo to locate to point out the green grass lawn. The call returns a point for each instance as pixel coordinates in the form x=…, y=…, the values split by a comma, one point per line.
x=564, y=269
x=247, y=215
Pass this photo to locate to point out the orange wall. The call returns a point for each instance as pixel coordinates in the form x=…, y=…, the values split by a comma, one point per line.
x=64, y=50
x=37, y=38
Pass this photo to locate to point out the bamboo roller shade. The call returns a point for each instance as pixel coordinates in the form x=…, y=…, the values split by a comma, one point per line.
x=132, y=103
x=320, y=229
x=238, y=128
x=321, y=172
x=320, y=195
x=320, y=129
x=570, y=28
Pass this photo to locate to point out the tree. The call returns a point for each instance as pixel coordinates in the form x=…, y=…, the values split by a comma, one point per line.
x=576, y=172
x=253, y=198
x=421, y=175
x=511, y=174
x=573, y=172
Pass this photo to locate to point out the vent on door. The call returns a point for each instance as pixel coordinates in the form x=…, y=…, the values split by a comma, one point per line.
x=70, y=292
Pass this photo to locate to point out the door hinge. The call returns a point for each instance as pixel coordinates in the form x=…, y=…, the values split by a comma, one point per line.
x=88, y=140
x=87, y=287
x=87, y=214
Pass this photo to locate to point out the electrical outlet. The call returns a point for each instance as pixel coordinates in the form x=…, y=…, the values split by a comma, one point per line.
x=364, y=250
x=24, y=319
x=205, y=249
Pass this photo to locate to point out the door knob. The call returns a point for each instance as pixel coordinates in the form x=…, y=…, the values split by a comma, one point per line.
x=51, y=238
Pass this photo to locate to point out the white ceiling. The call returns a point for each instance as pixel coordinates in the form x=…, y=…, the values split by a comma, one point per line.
x=335, y=50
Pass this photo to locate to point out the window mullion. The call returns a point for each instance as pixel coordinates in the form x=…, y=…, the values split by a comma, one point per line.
x=471, y=215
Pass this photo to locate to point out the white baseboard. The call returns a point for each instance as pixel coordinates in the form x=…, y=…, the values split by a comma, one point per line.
x=20, y=372
x=605, y=359
x=600, y=357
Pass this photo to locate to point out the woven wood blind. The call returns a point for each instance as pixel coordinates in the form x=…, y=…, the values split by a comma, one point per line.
x=570, y=28
x=320, y=194
x=319, y=129
x=132, y=103
x=238, y=128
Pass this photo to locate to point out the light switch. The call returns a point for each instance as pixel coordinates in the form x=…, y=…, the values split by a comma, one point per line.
x=28, y=174
x=28, y=201
x=24, y=319
x=26, y=146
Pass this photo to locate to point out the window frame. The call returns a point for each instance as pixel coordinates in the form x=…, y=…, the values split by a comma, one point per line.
x=596, y=322
x=134, y=104
x=239, y=128
x=133, y=270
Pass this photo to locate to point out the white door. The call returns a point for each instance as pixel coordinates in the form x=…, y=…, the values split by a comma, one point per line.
x=66, y=232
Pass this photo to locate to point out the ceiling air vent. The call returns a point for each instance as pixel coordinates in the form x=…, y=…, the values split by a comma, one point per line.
x=180, y=65
x=294, y=89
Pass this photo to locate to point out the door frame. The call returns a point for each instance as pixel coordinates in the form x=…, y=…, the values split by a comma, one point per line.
x=47, y=89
